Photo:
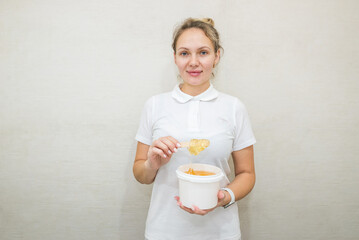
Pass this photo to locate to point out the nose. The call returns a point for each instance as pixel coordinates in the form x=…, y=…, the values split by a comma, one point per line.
x=193, y=60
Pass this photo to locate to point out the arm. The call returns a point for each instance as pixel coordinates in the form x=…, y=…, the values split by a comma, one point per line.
x=142, y=172
x=150, y=158
x=245, y=177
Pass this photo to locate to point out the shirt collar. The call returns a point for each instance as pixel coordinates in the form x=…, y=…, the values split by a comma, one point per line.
x=182, y=97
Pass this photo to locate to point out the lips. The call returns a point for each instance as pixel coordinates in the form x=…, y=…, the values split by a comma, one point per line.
x=194, y=73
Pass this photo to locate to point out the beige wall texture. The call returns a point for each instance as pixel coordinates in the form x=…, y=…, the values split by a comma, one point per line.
x=74, y=76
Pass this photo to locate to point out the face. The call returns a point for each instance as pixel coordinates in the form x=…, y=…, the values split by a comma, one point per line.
x=195, y=57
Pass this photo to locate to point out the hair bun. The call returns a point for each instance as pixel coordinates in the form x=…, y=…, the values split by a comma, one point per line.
x=208, y=20
x=205, y=20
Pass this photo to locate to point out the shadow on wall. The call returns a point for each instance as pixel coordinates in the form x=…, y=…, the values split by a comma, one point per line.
x=135, y=199
x=243, y=208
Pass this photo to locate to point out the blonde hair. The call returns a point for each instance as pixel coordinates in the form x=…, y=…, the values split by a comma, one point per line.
x=205, y=24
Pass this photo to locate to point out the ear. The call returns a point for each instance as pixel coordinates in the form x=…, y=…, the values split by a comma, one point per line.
x=218, y=56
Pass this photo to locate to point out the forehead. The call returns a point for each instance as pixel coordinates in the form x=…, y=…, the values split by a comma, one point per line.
x=194, y=38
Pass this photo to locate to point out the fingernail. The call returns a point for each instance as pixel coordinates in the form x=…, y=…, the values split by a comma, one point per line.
x=175, y=150
x=178, y=204
x=178, y=145
x=165, y=155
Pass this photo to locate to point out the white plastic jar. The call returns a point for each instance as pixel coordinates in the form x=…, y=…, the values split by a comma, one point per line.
x=200, y=191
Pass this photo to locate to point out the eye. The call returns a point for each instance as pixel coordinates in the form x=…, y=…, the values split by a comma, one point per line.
x=203, y=52
x=183, y=54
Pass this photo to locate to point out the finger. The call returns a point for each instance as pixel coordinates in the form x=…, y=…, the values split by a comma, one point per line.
x=179, y=203
x=163, y=145
x=221, y=198
x=170, y=144
x=221, y=195
x=189, y=210
x=198, y=211
x=174, y=141
x=159, y=152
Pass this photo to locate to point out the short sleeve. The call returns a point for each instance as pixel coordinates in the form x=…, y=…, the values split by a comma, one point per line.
x=243, y=133
x=144, y=132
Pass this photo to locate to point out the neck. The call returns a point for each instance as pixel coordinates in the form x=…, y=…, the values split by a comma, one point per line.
x=194, y=90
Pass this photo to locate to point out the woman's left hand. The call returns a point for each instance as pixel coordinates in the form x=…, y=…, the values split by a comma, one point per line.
x=195, y=210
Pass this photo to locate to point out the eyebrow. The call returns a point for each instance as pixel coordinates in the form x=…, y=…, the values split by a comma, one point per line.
x=184, y=48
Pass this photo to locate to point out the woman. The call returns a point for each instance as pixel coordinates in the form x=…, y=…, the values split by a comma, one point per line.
x=194, y=110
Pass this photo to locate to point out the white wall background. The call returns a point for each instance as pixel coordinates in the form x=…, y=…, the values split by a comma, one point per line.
x=74, y=76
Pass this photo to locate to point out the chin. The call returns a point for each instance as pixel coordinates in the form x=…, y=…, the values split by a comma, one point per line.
x=196, y=82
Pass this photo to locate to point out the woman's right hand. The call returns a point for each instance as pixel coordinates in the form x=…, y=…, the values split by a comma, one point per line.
x=160, y=152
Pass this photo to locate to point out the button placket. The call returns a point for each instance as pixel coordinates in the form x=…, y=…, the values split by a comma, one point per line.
x=193, y=115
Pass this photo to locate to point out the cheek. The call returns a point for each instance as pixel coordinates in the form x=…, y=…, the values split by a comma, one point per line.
x=180, y=64
x=208, y=65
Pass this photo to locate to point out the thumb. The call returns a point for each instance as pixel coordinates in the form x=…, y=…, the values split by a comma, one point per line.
x=221, y=195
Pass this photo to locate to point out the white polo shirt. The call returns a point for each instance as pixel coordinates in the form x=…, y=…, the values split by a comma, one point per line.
x=211, y=115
